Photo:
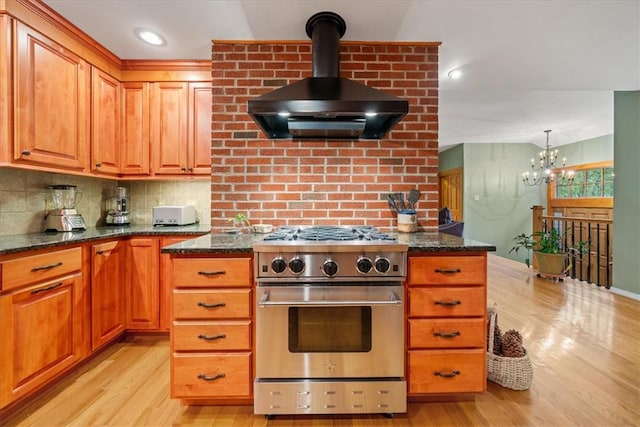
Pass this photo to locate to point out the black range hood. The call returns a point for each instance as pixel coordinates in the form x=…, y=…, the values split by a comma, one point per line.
x=326, y=106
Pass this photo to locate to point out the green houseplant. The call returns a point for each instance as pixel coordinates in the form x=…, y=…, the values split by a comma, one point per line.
x=548, y=252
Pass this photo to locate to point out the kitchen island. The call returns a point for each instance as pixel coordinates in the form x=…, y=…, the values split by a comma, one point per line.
x=445, y=315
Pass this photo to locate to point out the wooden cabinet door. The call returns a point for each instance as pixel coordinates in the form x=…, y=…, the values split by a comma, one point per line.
x=168, y=132
x=105, y=123
x=143, y=285
x=51, y=103
x=199, y=144
x=134, y=158
x=107, y=292
x=41, y=334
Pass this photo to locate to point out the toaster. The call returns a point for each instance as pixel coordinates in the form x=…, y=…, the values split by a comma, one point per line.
x=174, y=215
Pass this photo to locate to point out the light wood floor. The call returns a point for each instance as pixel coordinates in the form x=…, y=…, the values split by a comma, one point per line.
x=583, y=340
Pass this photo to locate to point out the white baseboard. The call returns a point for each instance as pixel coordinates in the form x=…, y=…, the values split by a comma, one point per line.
x=625, y=293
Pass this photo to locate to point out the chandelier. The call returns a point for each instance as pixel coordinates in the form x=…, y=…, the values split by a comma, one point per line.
x=545, y=167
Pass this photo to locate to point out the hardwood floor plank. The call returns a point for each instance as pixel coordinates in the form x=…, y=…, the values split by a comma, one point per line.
x=583, y=340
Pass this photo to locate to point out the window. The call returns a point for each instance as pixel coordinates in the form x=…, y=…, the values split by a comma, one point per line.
x=588, y=183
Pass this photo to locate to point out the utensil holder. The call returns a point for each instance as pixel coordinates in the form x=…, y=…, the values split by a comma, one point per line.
x=407, y=222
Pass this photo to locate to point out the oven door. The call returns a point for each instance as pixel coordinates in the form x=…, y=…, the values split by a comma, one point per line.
x=335, y=331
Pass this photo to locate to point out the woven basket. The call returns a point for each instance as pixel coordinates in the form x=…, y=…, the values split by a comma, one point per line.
x=515, y=373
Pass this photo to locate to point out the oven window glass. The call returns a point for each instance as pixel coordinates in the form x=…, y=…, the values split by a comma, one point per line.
x=329, y=329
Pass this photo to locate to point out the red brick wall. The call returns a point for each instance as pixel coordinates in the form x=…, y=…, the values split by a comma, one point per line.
x=285, y=182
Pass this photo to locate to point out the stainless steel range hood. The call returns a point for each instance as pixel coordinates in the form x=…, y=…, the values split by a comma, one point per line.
x=326, y=106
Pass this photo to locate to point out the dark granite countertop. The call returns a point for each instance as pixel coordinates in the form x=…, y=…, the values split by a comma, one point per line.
x=418, y=242
x=25, y=242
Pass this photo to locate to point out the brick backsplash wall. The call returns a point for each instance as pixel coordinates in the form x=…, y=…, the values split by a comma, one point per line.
x=291, y=182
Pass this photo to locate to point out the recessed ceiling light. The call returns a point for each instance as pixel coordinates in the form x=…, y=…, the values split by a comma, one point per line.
x=150, y=37
x=455, y=74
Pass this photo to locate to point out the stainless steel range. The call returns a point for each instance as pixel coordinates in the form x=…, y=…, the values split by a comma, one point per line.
x=329, y=321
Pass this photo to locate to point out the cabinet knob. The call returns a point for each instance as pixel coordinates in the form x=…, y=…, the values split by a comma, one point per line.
x=98, y=164
x=25, y=152
x=190, y=170
x=183, y=169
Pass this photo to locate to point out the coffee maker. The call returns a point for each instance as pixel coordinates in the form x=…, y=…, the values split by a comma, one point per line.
x=118, y=214
x=64, y=216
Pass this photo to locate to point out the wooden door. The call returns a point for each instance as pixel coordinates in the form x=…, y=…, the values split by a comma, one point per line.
x=143, y=285
x=451, y=193
x=134, y=158
x=41, y=334
x=168, y=131
x=200, y=128
x=51, y=103
x=107, y=292
x=105, y=120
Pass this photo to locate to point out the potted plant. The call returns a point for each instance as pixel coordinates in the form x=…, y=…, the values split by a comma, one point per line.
x=240, y=222
x=550, y=257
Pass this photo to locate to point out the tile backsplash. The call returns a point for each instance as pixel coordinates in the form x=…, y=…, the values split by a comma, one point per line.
x=24, y=198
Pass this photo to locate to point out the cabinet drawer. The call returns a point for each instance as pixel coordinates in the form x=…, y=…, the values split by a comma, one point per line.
x=447, y=333
x=447, y=270
x=229, y=335
x=447, y=302
x=208, y=272
x=211, y=304
x=210, y=375
x=447, y=371
x=36, y=268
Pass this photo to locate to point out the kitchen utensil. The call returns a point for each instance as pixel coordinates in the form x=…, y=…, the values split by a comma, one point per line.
x=414, y=195
x=398, y=201
x=392, y=203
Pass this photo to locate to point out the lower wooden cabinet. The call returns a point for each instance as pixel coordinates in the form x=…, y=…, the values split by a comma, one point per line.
x=42, y=334
x=446, y=324
x=211, y=340
x=143, y=284
x=107, y=292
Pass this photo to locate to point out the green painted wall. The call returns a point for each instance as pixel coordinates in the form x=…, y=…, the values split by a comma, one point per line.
x=592, y=150
x=626, y=203
x=496, y=204
x=451, y=158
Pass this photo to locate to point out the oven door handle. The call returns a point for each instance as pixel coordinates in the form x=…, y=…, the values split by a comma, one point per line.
x=264, y=302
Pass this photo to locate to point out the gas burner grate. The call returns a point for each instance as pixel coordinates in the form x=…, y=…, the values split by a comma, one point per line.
x=327, y=233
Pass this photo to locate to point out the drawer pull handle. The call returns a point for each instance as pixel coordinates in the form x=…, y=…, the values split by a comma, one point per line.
x=448, y=303
x=445, y=271
x=47, y=267
x=25, y=152
x=214, y=305
x=210, y=378
x=99, y=252
x=446, y=334
x=211, y=338
x=48, y=288
x=212, y=273
x=445, y=375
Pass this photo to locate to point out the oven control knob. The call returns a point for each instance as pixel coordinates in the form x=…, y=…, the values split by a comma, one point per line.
x=330, y=268
x=364, y=265
x=296, y=264
x=382, y=265
x=278, y=265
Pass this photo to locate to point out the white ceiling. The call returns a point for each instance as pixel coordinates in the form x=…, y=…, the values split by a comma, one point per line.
x=528, y=65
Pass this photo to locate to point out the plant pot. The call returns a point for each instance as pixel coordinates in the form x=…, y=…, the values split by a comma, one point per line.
x=551, y=264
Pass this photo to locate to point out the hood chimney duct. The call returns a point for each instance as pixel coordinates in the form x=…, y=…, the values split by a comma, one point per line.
x=325, y=29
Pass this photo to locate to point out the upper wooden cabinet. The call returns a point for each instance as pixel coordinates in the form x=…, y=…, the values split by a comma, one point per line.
x=134, y=158
x=181, y=128
x=51, y=103
x=105, y=123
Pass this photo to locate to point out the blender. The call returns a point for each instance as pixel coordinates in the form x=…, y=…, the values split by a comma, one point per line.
x=64, y=216
x=119, y=212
